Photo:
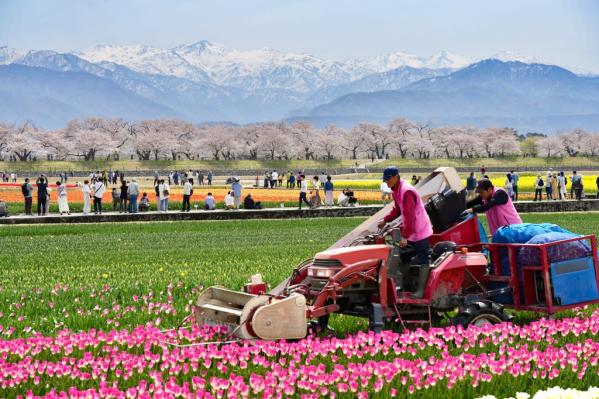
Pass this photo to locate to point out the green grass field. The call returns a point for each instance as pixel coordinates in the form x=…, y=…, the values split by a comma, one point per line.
x=131, y=165
x=119, y=276
x=134, y=258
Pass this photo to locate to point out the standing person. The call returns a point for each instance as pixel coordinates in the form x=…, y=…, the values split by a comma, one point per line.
x=416, y=228
x=42, y=195
x=554, y=187
x=291, y=180
x=548, y=188
x=322, y=179
x=187, y=193
x=209, y=177
x=124, y=197
x=561, y=184
x=539, y=183
x=48, y=190
x=87, y=193
x=315, y=200
x=27, y=191
x=274, y=177
x=329, y=198
x=298, y=180
x=99, y=189
x=281, y=177
x=116, y=199
x=509, y=188
x=201, y=178
x=63, y=202
x=164, y=192
x=266, y=179
x=303, y=191
x=133, y=192
x=497, y=205
x=470, y=186
x=483, y=171
x=386, y=193
x=515, y=180
x=236, y=190
x=156, y=178
x=414, y=180
x=577, y=185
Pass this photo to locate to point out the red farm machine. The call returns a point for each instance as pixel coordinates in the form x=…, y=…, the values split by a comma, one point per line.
x=359, y=275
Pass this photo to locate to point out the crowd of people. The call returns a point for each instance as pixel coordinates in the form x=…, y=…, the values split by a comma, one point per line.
x=127, y=197
x=319, y=190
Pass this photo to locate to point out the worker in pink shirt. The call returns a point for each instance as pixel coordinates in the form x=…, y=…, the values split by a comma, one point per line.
x=416, y=226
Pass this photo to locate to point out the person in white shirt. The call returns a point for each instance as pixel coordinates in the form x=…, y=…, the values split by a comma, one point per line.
x=99, y=190
x=210, y=203
x=229, y=201
x=274, y=176
x=303, y=192
x=385, y=193
x=187, y=192
x=164, y=191
x=133, y=191
x=561, y=184
x=86, y=197
x=342, y=200
x=63, y=203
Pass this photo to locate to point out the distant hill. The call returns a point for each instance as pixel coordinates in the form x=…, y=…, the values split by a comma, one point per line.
x=491, y=90
x=48, y=98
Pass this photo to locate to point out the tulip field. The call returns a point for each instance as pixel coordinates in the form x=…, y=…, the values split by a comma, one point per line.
x=91, y=310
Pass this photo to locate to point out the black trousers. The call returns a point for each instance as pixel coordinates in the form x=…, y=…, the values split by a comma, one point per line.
x=28, y=205
x=41, y=205
x=186, y=204
x=421, y=253
x=97, y=205
x=539, y=194
x=303, y=198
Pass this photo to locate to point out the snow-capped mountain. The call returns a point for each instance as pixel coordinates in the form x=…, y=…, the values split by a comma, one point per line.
x=387, y=62
x=206, y=81
x=146, y=59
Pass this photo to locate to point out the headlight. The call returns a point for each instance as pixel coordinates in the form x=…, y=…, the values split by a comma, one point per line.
x=322, y=273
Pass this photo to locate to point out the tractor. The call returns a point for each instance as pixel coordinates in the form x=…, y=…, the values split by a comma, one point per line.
x=368, y=274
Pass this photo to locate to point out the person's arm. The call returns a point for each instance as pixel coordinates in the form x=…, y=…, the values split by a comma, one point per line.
x=473, y=202
x=394, y=214
x=499, y=198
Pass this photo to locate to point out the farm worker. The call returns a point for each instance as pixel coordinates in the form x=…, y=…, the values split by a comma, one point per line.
x=416, y=226
x=497, y=204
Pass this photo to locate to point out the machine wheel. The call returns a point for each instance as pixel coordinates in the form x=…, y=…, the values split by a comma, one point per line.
x=479, y=314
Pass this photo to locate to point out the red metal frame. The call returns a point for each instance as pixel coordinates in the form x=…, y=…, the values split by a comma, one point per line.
x=545, y=268
x=465, y=235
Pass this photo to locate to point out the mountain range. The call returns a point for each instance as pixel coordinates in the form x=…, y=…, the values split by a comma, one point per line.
x=205, y=81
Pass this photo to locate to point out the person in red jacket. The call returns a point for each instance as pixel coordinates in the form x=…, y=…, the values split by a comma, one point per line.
x=416, y=226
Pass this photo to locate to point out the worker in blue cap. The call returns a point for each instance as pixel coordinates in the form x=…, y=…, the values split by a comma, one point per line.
x=416, y=226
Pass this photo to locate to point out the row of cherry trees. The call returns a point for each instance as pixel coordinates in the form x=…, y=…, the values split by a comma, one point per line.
x=102, y=138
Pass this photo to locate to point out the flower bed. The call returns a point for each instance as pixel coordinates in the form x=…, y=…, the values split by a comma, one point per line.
x=147, y=362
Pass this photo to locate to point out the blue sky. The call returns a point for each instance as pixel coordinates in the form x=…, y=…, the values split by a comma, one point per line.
x=565, y=32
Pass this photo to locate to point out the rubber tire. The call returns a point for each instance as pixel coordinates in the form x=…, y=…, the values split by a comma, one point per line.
x=480, y=313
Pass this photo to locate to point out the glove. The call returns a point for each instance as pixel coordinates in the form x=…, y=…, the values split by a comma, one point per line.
x=464, y=214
